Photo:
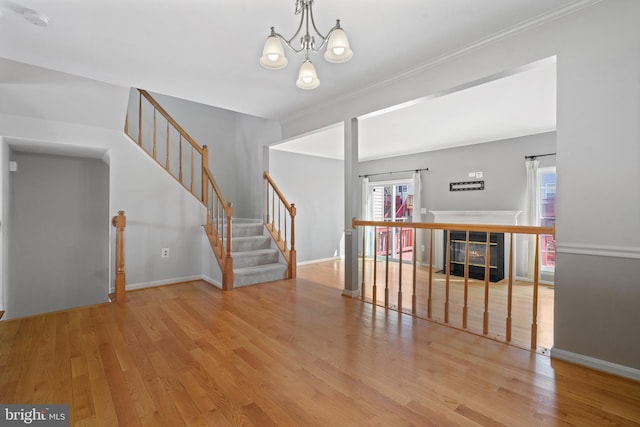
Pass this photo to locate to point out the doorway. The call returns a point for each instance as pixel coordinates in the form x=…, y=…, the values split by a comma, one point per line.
x=59, y=233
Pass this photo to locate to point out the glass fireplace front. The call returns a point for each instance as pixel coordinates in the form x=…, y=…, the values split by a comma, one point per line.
x=477, y=254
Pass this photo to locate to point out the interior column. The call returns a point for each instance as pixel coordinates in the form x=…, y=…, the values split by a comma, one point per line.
x=351, y=197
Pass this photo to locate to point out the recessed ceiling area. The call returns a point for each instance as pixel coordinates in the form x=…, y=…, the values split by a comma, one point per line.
x=521, y=102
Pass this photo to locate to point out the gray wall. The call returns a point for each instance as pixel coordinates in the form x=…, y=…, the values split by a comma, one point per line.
x=235, y=144
x=5, y=222
x=60, y=234
x=598, y=217
x=502, y=164
x=316, y=186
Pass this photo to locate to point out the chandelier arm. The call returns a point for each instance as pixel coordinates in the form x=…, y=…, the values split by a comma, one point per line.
x=325, y=39
x=287, y=43
x=313, y=22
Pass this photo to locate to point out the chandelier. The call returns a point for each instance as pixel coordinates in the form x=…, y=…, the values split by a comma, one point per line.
x=336, y=42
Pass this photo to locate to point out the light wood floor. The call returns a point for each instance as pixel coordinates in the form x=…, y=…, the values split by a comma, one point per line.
x=289, y=353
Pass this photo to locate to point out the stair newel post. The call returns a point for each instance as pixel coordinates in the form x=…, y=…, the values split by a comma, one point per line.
x=120, y=221
x=292, y=252
x=205, y=181
x=227, y=274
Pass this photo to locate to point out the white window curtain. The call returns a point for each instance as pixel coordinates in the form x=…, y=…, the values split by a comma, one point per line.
x=532, y=213
x=417, y=197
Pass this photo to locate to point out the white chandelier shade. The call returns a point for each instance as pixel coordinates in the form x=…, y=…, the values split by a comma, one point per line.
x=338, y=50
x=336, y=43
x=273, y=56
x=307, y=77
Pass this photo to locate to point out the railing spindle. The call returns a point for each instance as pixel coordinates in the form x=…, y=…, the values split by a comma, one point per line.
x=375, y=264
x=180, y=160
x=273, y=209
x=279, y=221
x=430, y=273
x=400, y=271
x=510, y=288
x=466, y=282
x=386, y=277
x=414, y=300
x=534, y=320
x=204, y=163
x=266, y=193
x=140, y=120
x=285, y=232
x=192, y=170
x=155, y=131
x=364, y=234
x=487, y=256
x=447, y=274
x=167, y=165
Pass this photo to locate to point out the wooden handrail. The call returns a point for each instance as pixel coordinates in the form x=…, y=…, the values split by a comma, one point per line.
x=381, y=226
x=276, y=229
x=170, y=119
x=120, y=222
x=518, y=229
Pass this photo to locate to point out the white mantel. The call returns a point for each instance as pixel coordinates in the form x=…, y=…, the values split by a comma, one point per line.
x=476, y=217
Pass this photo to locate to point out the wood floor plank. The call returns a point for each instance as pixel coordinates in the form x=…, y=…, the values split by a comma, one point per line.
x=292, y=352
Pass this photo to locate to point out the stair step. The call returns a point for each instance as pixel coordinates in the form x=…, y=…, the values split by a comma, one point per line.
x=253, y=258
x=243, y=229
x=249, y=243
x=259, y=274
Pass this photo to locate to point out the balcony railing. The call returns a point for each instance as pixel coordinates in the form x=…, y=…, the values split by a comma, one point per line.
x=418, y=290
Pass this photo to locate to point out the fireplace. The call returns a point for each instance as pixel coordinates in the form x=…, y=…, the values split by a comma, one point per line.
x=493, y=217
x=477, y=253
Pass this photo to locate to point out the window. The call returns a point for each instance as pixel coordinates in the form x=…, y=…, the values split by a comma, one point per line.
x=547, y=182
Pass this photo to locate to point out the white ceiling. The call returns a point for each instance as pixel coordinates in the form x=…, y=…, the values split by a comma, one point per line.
x=207, y=50
x=518, y=104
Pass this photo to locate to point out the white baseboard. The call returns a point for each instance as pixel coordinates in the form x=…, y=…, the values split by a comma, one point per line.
x=597, y=364
x=351, y=294
x=315, y=261
x=173, y=281
x=211, y=280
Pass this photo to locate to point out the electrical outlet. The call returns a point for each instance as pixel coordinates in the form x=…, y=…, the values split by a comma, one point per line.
x=165, y=253
x=422, y=248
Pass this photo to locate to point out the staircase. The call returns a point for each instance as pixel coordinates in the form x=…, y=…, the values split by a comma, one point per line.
x=255, y=260
x=258, y=252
